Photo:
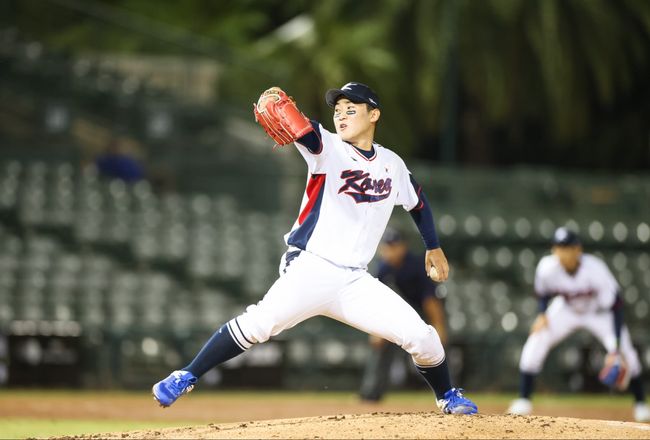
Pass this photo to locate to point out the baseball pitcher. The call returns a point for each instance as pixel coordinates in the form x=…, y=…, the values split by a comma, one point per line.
x=352, y=185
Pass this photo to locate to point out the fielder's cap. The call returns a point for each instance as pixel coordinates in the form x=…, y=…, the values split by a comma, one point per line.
x=355, y=92
x=565, y=237
x=392, y=236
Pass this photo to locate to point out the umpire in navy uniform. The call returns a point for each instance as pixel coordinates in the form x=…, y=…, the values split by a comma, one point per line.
x=401, y=270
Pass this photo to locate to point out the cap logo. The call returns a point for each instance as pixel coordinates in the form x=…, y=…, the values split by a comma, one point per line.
x=561, y=235
x=372, y=100
x=348, y=86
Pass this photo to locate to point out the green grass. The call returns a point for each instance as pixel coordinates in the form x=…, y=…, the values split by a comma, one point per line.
x=25, y=428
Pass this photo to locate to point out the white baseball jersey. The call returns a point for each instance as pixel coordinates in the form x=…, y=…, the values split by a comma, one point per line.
x=348, y=200
x=583, y=301
x=591, y=288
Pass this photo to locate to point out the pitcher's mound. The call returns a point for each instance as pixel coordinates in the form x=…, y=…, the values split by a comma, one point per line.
x=403, y=425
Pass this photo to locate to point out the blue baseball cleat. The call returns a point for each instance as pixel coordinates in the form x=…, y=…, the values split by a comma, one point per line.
x=455, y=403
x=168, y=390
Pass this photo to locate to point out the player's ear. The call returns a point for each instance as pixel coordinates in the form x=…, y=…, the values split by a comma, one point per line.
x=374, y=115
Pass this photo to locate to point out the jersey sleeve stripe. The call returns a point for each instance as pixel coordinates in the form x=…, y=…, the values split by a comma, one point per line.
x=418, y=191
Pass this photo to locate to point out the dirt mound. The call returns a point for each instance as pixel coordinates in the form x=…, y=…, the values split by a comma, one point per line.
x=401, y=425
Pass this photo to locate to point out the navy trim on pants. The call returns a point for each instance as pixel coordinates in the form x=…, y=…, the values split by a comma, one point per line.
x=290, y=256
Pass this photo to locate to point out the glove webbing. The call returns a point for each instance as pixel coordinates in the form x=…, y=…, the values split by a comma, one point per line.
x=275, y=134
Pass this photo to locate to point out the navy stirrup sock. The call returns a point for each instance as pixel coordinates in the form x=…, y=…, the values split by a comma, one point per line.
x=437, y=377
x=636, y=388
x=219, y=348
x=526, y=385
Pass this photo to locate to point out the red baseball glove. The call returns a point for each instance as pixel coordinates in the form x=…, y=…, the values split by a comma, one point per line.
x=278, y=115
x=615, y=373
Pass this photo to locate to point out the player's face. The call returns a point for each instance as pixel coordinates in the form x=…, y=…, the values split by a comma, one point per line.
x=354, y=122
x=393, y=253
x=569, y=256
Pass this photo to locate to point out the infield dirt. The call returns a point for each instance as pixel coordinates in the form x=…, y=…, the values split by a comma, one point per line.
x=401, y=425
x=324, y=415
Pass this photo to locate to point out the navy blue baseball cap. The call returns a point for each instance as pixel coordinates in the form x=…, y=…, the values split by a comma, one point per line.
x=355, y=92
x=565, y=237
x=392, y=236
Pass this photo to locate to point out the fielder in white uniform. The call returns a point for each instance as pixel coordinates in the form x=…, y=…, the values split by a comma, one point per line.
x=585, y=295
x=352, y=185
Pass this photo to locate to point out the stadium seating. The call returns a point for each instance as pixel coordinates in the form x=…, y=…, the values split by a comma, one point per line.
x=125, y=260
x=213, y=240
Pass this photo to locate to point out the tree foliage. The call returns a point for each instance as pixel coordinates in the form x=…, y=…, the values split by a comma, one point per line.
x=537, y=81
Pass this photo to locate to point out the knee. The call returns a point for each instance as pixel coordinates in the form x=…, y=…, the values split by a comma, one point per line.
x=425, y=347
x=530, y=366
x=633, y=362
x=533, y=354
x=252, y=326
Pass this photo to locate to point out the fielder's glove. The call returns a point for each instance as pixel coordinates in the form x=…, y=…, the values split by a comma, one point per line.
x=278, y=115
x=615, y=373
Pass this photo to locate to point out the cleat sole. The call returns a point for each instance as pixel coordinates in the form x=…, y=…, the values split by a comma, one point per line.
x=158, y=401
x=464, y=410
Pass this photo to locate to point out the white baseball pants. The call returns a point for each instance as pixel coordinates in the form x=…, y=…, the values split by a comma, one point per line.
x=310, y=286
x=562, y=321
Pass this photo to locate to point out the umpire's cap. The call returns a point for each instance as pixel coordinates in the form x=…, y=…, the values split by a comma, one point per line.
x=392, y=236
x=565, y=237
x=355, y=92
